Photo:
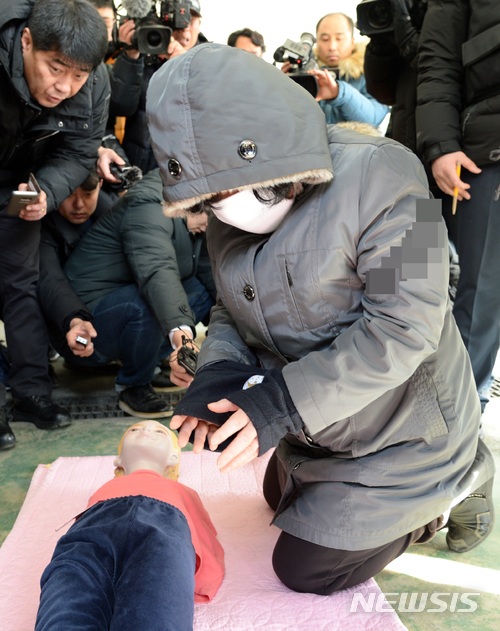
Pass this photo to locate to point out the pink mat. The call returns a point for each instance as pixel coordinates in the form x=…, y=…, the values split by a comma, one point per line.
x=251, y=597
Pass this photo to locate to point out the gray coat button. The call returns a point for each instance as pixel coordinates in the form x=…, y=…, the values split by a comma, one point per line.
x=249, y=292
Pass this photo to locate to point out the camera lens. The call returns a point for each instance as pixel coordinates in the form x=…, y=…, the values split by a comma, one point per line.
x=379, y=15
x=154, y=39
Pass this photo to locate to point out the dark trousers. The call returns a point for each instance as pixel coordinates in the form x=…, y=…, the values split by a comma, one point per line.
x=126, y=331
x=25, y=329
x=308, y=567
x=477, y=303
x=127, y=564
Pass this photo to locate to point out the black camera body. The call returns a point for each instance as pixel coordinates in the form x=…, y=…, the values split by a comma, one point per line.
x=153, y=31
x=127, y=176
x=187, y=356
x=374, y=17
x=299, y=55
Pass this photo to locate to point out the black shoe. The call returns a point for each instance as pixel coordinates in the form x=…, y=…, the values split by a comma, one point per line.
x=142, y=401
x=42, y=411
x=472, y=520
x=161, y=382
x=7, y=438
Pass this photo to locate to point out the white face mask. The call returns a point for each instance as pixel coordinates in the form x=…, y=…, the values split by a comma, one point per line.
x=244, y=211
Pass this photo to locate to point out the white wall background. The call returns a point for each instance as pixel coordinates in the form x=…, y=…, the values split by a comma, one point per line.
x=277, y=20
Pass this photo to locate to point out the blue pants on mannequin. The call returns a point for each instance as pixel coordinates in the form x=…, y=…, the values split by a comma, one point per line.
x=127, y=564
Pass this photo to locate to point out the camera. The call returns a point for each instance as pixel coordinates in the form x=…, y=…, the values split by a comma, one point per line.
x=155, y=22
x=374, y=17
x=187, y=356
x=127, y=176
x=299, y=55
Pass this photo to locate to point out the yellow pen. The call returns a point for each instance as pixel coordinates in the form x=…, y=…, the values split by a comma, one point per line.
x=455, y=190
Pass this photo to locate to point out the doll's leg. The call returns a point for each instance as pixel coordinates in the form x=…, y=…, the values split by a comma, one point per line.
x=154, y=588
x=76, y=586
x=127, y=563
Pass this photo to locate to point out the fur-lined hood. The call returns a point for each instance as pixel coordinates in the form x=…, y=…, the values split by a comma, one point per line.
x=223, y=120
x=352, y=67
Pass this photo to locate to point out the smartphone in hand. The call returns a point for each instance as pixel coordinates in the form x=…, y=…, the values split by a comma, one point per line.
x=20, y=199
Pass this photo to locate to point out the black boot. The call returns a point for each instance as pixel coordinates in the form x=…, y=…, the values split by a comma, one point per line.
x=7, y=438
x=41, y=411
x=472, y=520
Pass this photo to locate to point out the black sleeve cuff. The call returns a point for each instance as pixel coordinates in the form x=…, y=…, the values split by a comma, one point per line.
x=268, y=404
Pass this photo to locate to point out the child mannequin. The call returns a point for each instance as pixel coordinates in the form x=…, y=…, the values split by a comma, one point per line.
x=143, y=552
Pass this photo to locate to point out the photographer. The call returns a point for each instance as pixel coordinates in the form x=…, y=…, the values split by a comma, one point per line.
x=342, y=93
x=136, y=142
x=391, y=60
x=158, y=264
x=132, y=259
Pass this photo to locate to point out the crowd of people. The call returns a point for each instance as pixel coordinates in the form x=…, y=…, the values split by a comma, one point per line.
x=316, y=253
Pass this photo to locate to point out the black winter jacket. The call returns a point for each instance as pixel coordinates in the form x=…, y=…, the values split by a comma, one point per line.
x=390, y=67
x=59, y=301
x=57, y=144
x=135, y=243
x=458, y=94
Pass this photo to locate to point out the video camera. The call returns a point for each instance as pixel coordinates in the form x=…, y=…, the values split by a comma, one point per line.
x=155, y=22
x=299, y=55
x=374, y=17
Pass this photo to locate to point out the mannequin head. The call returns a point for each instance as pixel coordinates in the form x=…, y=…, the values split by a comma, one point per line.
x=148, y=445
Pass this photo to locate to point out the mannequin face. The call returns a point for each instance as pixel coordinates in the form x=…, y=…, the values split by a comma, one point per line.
x=148, y=445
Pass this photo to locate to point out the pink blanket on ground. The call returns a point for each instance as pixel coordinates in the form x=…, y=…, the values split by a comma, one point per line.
x=251, y=597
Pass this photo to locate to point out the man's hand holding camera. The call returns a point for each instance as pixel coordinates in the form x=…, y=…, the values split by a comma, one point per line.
x=328, y=87
x=79, y=332
x=178, y=373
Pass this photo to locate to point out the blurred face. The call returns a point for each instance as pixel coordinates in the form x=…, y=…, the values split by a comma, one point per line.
x=148, y=443
x=108, y=17
x=334, y=40
x=188, y=37
x=245, y=43
x=51, y=78
x=197, y=223
x=79, y=206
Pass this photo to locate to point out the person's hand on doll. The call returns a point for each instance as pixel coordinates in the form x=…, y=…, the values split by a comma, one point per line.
x=243, y=448
x=81, y=330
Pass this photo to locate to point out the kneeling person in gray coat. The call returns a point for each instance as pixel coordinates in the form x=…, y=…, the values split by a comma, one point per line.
x=332, y=339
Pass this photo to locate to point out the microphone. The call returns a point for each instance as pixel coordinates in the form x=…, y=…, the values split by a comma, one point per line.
x=137, y=9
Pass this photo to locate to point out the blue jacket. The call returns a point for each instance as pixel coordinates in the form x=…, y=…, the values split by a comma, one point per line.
x=353, y=102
